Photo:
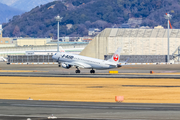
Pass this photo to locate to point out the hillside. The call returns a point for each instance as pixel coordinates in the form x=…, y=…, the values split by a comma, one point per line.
x=85, y=14
x=7, y=12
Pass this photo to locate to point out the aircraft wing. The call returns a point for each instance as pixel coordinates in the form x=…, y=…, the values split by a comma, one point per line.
x=78, y=64
x=122, y=63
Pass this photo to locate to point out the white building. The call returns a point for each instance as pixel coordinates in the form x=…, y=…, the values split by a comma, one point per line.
x=132, y=42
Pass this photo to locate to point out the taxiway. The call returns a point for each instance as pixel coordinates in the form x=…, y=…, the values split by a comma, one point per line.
x=40, y=110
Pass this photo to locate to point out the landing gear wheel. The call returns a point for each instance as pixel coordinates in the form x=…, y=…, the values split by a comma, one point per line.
x=92, y=71
x=78, y=71
x=59, y=65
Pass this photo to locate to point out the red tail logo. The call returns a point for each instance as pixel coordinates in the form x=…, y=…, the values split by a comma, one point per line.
x=116, y=57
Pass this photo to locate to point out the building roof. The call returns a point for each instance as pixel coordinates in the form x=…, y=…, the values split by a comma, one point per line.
x=94, y=29
x=125, y=25
x=67, y=43
x=159, y=27
x=146, y=33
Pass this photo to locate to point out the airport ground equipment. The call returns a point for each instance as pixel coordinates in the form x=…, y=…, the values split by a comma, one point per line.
x=2, y=59
x=176, y=55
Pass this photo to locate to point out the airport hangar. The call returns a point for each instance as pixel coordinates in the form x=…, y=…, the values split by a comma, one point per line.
x=139, y=45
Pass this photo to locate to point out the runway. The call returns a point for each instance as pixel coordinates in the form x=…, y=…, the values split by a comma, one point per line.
x=130, y=71
x=89, y=75
x=40, y=110
x=160, y=89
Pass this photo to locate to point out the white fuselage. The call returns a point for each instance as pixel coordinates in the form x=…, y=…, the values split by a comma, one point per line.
x=86, y=62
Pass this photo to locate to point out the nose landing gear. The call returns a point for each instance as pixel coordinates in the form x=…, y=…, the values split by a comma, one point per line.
x=78, y=71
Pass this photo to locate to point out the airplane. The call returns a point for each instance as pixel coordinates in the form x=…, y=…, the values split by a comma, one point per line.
x=69, y=60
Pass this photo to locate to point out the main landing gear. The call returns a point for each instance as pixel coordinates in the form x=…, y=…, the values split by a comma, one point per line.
x=78, y=71
x=92, y=71
x=59, y=64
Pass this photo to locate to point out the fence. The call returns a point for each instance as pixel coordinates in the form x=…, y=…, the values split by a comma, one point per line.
x=33, y=59
x=47, y=59
x=21, y=50
x=142, y=58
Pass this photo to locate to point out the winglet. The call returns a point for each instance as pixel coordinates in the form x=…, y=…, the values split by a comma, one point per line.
x=126, y=60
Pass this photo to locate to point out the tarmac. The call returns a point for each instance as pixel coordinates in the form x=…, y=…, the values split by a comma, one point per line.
x=40, y=110
x=129, y=71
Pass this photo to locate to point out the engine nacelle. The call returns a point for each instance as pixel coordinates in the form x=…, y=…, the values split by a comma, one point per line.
x=118, y=65
x=66, y=66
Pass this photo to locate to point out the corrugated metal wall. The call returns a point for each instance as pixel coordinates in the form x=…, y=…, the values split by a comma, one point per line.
x=132, y=42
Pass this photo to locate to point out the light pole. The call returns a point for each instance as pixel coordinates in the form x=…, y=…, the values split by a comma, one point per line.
x=168, y=17
x=58, y=18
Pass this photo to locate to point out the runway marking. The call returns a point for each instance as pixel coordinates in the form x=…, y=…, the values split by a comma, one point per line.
x=12, y=115
x=24, y=116
x=19, y=71
x=57, y=106
x=80, y=106
x=166, y=73
x=158, y=73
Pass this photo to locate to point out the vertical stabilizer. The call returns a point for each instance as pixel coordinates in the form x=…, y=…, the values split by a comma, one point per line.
x=116, y=57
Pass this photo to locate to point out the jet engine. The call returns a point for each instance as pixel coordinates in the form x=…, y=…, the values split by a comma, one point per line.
x=118, y=65
x=66, y=66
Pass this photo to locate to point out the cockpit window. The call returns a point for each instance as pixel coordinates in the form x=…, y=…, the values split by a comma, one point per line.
x=55, y=53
